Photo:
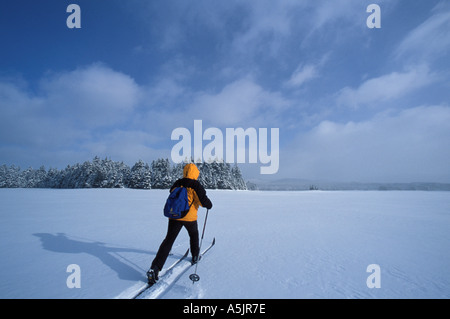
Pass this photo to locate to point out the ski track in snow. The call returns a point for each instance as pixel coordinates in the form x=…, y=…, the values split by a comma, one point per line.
x=269, y=244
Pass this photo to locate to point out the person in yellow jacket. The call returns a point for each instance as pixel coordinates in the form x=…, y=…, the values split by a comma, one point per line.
x=196, y=196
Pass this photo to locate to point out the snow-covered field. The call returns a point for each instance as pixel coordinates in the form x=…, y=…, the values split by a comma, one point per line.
x=309, y=244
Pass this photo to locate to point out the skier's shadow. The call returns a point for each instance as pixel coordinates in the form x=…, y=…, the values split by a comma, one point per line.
x=110, y=256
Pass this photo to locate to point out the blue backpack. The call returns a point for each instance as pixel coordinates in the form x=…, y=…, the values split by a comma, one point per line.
x=177, y=204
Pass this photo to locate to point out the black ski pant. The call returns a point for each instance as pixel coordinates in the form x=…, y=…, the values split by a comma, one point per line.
x=172, y=233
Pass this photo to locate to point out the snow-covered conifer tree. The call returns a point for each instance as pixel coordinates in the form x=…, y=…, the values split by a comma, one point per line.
x=161, y=177
x=140, y=176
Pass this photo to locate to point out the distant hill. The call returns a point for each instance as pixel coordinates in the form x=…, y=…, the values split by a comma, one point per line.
x=302, y=184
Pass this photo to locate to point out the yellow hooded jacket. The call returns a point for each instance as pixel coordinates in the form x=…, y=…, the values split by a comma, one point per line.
x=196, y=193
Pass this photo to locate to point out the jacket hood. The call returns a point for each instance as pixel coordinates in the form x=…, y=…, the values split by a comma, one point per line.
x=191, y=171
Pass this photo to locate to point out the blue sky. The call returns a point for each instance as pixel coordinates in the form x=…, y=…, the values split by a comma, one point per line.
x=351, y=103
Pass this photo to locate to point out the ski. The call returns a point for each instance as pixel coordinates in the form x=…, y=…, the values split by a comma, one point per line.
x=166, y=272
x=167, y=281
x=210, y=246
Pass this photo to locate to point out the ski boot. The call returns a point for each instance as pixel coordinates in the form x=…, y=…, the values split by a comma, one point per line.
x=152, y=276
x=195, y=259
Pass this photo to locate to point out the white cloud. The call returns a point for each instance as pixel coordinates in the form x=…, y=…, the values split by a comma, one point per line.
x=430, y=39
x=387, y=87
x=242, y=102
x=306, y=72
x=302, y=74
x=93, y=96
x=411, y=146
x=266, y=18
x=24, y=121
x=75, y=115
x=326, y=12
x=96, y=110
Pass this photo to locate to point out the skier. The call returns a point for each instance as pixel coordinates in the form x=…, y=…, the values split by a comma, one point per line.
x=197, y=196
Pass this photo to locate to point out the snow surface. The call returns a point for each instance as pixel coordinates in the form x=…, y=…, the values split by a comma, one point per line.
x=269, y=244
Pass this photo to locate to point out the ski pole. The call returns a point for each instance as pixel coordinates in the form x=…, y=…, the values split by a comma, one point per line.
x=194, y=277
